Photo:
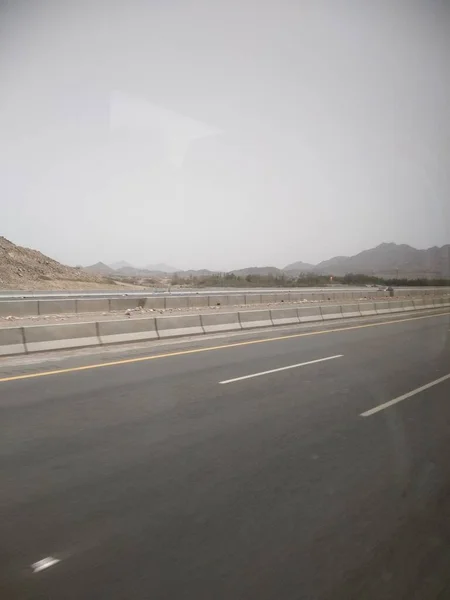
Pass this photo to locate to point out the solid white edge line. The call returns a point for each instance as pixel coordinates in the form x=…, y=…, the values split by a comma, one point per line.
x=303, y=364
x=381, y=407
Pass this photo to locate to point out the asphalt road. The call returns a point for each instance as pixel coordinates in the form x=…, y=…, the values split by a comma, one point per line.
x=190, y=471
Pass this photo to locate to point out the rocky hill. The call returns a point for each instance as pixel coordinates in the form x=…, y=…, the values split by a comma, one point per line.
x=392, y=260
x=298, y=267
x=99, y=269
x=23, y=268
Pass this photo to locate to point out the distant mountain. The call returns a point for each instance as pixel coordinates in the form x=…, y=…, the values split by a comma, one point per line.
x=391, y=260
x=134, y=272
x=162, y=268
x=298, y=267
x=196, y=273
x=258, y=271
x=121, y=264
x=99, y=268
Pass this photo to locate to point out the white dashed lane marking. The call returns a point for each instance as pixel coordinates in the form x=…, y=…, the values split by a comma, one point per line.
x=44, y=563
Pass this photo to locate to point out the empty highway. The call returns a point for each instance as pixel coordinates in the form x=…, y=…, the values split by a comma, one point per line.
x=307, y=462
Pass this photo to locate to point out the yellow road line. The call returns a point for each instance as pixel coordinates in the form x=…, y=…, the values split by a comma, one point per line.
x=127, y=361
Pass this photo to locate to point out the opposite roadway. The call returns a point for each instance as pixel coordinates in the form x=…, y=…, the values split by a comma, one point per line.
x=206, y=469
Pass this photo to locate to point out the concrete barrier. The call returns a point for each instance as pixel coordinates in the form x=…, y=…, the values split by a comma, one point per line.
x=127, y=330
x=316, y=297
x=252, y=299
x=12, y=341
x=408, y=305
x=238, y=300
x=284, y=316
x=177, y=302
x=179, y=326
x=155, y=303
x=19, y=308
x=350, y=310
x=218, y=321
x=199, y=301
x=367, y=309
x=309, y=314
x=57, y=307
x=119, y=304
x=295, y=297
x=281, y=297
x=25, y=307
x=428, y=302
x=333, y=311
x=382, y=308
x=220, y=300
x=395, y=306
x=92, y=305
x=255, y=318
x=19, y=340
x=270, y=298
x=40, y=338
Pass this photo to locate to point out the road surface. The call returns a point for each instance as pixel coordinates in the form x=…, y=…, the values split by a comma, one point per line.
x=300, y=463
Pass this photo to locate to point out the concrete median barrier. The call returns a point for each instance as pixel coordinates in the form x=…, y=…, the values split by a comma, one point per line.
x=179, y=326
x=217, y=322
x=19, y=308
x=428, y=302
x=177, y=302
x=271, y=298
x=309, y=314
x=284, y=316
x=155, y=303
x=87, y=305
x=127, y=330
x=119, y=304
x=382, y=308
x=296, y=297
x=39, y=338
x=12, y=341
x=439, y=302
x=220, y=300
x=251, y=299
x=315, y=297
x=57, y=307
x=255, y=318
x=281, y=297
x=331, y=312
x=199, y=301
x=408, y=305
x=395, y=306
x=367, y=309
x=238, y=300
x=350, y=310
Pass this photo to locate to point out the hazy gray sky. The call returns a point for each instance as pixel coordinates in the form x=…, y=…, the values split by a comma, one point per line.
x=223, y=133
